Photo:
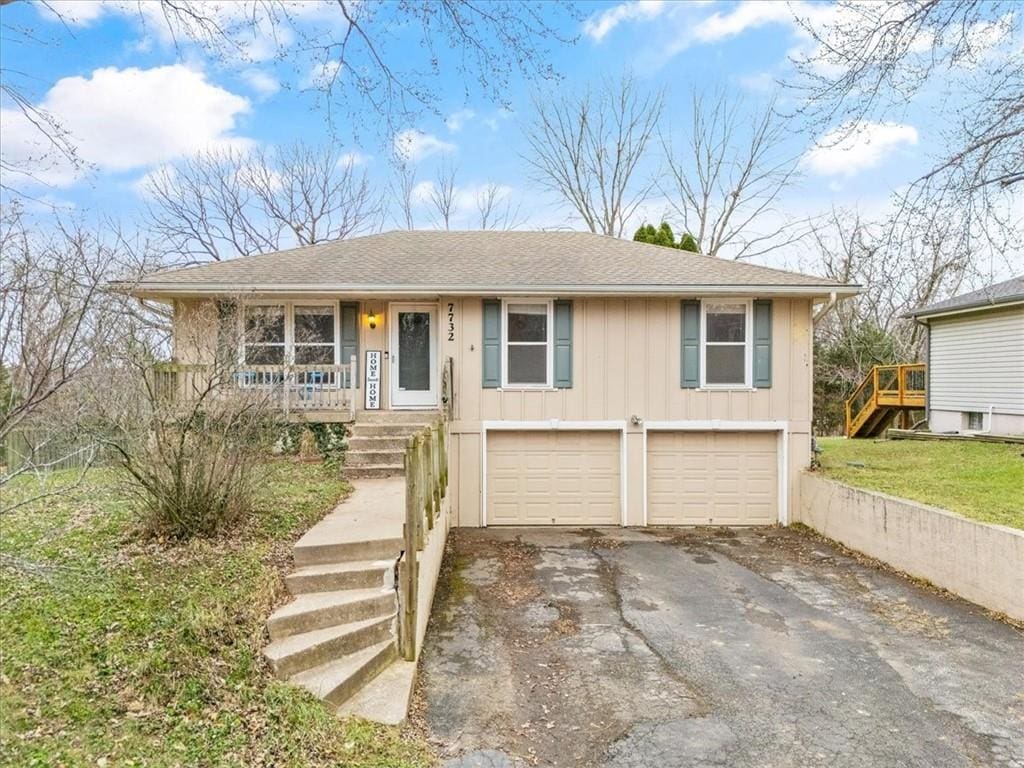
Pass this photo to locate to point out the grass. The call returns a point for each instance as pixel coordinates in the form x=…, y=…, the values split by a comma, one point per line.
x=982, y=481
x=124, y=651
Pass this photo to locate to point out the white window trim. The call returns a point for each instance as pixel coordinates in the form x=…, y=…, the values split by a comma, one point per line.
x=550, y=343
x=748, y=344
x=289, y=326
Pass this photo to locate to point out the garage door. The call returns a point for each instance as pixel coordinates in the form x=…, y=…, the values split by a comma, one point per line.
x=553, y=478
x=712, y=478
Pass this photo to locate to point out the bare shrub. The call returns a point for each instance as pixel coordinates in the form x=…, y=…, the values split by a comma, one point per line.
x=193, y=435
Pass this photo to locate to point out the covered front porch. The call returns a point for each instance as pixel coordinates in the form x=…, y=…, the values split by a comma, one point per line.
x=313, y=359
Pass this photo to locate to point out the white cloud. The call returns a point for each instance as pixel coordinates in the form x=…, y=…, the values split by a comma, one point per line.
x=321, y=74
x=456, y=120
x=414, y=145
x=422, y=192
x=353, y=158
x=842, y=152
x=125, y=119
x=599, y=25
x=263, y=83
x=75, y=12
x=745, y=16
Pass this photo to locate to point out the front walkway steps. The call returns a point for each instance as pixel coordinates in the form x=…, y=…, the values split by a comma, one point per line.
x=376, y=442
x=336, y=638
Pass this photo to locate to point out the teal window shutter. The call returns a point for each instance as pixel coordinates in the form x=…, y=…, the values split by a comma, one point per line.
x=689, y=374
x=492, y=344
x=350, y=335
x=563, y=344
x=762, y=343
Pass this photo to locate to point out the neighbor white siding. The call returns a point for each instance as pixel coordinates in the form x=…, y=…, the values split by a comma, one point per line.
x=977, y=361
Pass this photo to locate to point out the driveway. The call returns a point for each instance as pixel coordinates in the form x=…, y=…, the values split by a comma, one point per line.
x=708, y=648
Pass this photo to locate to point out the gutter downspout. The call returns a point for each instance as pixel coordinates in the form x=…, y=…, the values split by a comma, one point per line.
x=832, y=301
x=927, y=373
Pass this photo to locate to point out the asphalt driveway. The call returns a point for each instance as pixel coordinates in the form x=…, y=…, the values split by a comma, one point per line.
x=708, y=648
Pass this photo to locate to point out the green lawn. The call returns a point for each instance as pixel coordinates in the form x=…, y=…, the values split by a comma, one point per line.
x=126, y=652
x=983, y=481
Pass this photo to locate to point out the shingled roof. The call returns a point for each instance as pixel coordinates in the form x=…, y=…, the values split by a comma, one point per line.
x=1007, y=292
x=482, y=262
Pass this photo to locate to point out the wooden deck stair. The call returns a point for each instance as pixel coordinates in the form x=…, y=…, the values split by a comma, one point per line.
x=887, y=391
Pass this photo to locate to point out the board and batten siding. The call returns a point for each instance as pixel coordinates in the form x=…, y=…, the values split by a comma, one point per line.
x=626, y=358
x=977, y=361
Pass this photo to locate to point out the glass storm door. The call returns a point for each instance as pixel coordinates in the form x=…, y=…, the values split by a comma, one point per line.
x=413, y=356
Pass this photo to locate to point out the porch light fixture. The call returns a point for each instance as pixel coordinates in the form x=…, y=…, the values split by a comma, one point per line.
x=371, y=319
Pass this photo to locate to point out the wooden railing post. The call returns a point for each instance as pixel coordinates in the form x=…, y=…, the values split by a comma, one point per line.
x=409, y=574
x=352, y=386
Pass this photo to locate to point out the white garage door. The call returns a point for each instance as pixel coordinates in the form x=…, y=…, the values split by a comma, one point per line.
x=553, y=478
x=712, y=478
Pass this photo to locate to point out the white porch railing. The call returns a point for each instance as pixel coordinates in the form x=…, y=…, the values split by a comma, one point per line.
x=289, y=388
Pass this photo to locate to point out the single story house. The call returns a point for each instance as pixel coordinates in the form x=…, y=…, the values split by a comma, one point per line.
x=587, y=380
x=976, y=360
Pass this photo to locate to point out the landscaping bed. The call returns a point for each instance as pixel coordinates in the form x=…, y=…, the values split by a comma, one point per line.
x=981, y=481
x=123, y=650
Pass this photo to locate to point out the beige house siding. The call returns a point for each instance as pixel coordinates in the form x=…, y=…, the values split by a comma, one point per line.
x=976, y=363
x=626, y=356
x=626, y=362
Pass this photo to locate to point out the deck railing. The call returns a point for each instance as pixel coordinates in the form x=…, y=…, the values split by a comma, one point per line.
x=288, y=388
x=426, y=486
x=900, y=386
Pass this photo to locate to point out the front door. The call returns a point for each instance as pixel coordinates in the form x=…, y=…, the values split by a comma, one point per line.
x=413, y=356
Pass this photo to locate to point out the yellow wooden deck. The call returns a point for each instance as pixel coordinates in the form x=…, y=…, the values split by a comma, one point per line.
x=886, y=391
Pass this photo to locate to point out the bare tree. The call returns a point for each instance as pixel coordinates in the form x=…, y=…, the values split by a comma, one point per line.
x=403, y=185
x=725, y=179
x=443, y=195
x=54, y=325
x=871, y=59
x=588, y=149
x=225, y=203
x=495, y=208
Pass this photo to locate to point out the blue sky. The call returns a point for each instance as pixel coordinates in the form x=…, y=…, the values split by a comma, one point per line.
x=135, y=101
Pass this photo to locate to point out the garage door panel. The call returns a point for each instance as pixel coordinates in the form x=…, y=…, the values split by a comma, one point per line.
x=553, y=477
x=712, y=478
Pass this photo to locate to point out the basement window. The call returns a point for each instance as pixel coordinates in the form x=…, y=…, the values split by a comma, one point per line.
x=975, y=421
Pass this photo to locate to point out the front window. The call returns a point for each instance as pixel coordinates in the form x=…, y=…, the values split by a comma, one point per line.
x=527, y=344
x=264, y=342
x=314, y=335
x=279, y=334
x=726, y=344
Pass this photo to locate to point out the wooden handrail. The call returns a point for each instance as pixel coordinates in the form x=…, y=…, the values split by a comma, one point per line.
x=426, y=485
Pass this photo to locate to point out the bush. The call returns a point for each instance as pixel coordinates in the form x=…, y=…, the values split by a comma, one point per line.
x=196, y=476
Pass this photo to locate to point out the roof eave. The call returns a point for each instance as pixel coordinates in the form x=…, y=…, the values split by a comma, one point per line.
x=171, y=290
x=977, y=306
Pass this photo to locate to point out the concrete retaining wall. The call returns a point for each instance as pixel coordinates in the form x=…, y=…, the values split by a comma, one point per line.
x=980, y=562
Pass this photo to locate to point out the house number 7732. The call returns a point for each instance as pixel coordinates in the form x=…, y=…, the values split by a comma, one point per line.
x=451, y=321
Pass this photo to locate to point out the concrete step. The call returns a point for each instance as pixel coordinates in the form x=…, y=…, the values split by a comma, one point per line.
x=337, y=680
x=363, y=458
x=375, y=470
x=306, y=650
x=319, y=610
x=332, y=577
x=380, y=443
x=386, y=698
x=384, y=430
x=332, y=552
x=397, y=417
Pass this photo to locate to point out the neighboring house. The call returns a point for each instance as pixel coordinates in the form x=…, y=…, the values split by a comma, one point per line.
x=592, y=380
x=976, y=360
